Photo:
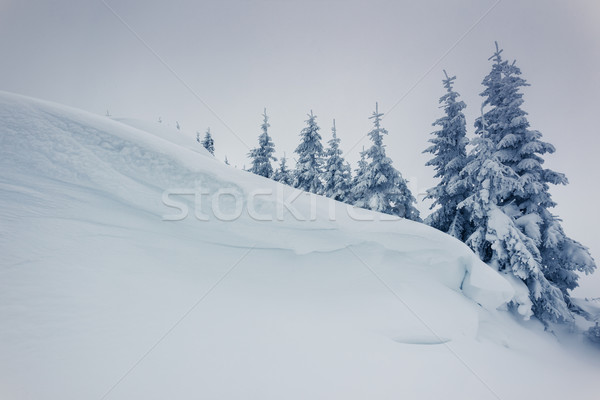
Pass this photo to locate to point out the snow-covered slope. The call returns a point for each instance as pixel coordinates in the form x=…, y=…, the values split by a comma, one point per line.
x=104, y=293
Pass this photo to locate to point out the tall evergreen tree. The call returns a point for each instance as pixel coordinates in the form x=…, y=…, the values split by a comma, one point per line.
x=283, y=174
x=208, y=142
x=307, y=175
x=263, y=154
x=381, y=187
x=336, y=174
x=497, y=239
x=520, y=149
x=449, y=158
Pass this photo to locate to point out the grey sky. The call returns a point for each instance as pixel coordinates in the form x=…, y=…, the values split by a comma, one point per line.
x=334, y=57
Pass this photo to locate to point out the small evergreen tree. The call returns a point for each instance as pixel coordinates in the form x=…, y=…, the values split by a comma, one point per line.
x=405, y=205
x=336, y=175
x=449, y=158
x=283, y=174
x=360, y=187
x=307, y=175
x=208, y=142
x=593, y=333
x=263, y=154
x=381, y=187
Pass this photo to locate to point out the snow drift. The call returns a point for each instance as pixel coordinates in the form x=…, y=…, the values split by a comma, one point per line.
x=109, y=289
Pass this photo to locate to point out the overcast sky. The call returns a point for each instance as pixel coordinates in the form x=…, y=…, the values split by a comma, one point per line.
x=219, y=63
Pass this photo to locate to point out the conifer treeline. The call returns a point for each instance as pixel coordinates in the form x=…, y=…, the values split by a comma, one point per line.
x=376, y=186
x=495, y=197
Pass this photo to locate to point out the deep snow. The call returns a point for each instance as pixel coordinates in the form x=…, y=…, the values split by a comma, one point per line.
x=101, y=297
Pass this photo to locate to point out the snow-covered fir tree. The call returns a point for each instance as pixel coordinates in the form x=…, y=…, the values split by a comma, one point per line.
x=593, y=333
x=283, y=174
x=449, y=158
x=521, y=149
x=263, y=154
x=208, y=142
x=359, y=187
x=381, y=187
x=336, y=171
x=497, y=239
x=307, y=175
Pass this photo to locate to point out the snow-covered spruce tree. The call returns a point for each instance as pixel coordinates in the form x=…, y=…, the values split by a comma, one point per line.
x=381, y=187
x=307, y=175
x=208, y=142
x=336, y=172
x=499, y=242
x=593, y=333
x=521, y=148
x=449, y=158
x=283, y=174
x=263, y=154
x=359, y=186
